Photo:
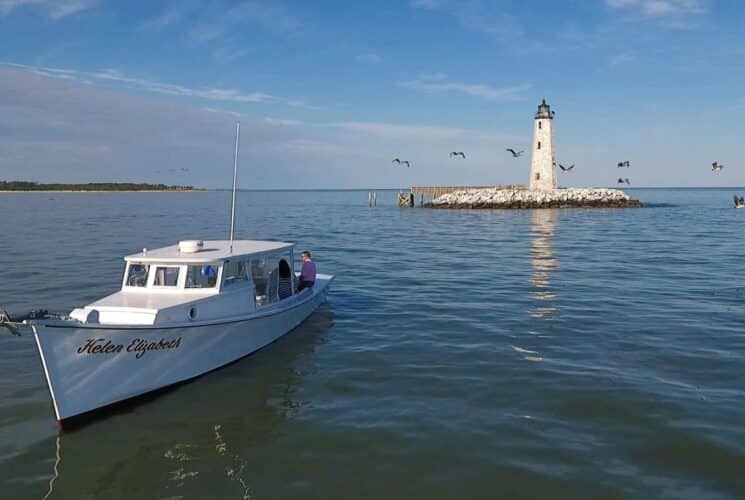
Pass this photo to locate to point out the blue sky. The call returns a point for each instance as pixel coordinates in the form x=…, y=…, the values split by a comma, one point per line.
x=328, y=93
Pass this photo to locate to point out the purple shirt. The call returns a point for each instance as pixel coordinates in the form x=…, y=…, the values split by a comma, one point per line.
x=308, y=272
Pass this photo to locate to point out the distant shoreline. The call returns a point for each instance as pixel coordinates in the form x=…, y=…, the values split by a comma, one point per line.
x=105, y=191
x=21, y=186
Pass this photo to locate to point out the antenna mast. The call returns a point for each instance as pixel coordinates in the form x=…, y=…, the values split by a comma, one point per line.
x=235, y=177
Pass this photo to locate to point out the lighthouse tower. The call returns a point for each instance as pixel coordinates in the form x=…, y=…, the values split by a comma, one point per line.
x=542, y=161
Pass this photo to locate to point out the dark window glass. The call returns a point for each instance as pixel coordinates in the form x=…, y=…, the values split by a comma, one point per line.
x=137, y=275
x=166, y=276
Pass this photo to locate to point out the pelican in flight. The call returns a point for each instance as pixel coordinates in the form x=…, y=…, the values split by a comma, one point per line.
x=716, y=167
x=458, y=153
x=624, y=181
x=566, y=169
x=515, y=154
x=626, y=164
x=401, y=162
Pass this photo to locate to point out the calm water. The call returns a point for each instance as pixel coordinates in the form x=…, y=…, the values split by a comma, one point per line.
x=461, y=354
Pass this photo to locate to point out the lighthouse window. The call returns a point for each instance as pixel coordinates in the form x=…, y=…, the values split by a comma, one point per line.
x=539, y=125
x=537, y=177
x=539, y=144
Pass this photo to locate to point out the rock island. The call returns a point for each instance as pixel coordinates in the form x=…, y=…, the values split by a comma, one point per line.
x=541, y=192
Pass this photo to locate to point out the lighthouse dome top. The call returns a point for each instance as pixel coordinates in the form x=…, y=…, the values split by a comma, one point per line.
x=544, y=111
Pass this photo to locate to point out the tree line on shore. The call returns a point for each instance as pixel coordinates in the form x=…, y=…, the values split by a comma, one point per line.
x=90, y=186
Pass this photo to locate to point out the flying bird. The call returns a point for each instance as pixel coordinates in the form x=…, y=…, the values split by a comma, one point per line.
x=739, y=202
x=459, y=153
x=401, y=162
x=716, y=167
x=566, y=169
x=624, y=181
x=626, y=164
x=515, y=154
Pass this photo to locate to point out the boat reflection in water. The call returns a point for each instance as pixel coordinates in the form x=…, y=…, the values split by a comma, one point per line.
x=543, y=261
x=194, y=441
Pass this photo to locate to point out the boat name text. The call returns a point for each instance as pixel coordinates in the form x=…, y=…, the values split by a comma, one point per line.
x=137, y=346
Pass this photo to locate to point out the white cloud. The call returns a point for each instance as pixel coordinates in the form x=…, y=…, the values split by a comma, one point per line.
x=498, y=23
x=61, y=130
x=369, y=57
x=282, y=122
x=114, y=76
x=478, y=90
x=658, y=9
x=231, y=113
x=314, y=147
x=231, y=95
x=427, y=4
x=226, y=55
x=174, y=14
x=621, y=59
x=425, y=133
x=302, y=104
x=216, y=21
x=53, y=9
x=433, y=77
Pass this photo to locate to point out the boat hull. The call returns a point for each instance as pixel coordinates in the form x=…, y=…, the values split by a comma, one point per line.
x=89, y=368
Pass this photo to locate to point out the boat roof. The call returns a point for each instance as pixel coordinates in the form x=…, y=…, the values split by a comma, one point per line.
x=213, y=250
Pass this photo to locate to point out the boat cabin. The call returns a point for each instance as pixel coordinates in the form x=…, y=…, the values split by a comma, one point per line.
x=197, y=281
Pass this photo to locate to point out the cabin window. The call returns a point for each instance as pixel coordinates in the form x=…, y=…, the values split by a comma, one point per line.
x=539, y=125
x=539, y=144
x=166, y=276
x=201, y=276
x=234, y=273
x=266, y=281
x=259, y=274
x=137, y=275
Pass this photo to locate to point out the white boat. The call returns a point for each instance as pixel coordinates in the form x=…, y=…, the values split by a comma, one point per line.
x=182, y=311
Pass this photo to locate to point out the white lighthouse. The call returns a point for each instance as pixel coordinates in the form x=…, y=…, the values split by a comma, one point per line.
x=542, y=161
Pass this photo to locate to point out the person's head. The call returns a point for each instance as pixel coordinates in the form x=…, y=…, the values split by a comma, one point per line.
x=304, y=255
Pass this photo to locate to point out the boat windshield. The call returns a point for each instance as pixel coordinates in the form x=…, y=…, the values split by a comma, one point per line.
x=201, y=276
x=234, y=273
x=137, y=275
x=166, y=276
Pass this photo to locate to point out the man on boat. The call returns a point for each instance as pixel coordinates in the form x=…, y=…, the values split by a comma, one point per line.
x=307, y=273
